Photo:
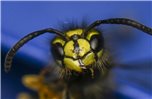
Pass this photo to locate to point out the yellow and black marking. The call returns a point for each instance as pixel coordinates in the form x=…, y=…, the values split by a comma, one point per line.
x=80, y=53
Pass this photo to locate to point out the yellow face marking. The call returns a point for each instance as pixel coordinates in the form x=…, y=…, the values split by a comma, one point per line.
x=90, y=34
x=72, y=64
x=72, y=32
x=68, y=49
x=75, y=65
x=84, y=47
x=89, y=59
x=58, y=40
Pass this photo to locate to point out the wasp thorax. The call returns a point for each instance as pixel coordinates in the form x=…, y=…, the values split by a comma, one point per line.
x=78, y=52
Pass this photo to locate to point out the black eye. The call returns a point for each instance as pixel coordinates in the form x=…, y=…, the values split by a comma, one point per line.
x=96, y=42
x=57, y=51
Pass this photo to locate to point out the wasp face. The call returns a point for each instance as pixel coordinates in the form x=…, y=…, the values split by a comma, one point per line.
x=78, y=53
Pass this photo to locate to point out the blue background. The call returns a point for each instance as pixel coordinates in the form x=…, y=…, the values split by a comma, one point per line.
x=133, y=54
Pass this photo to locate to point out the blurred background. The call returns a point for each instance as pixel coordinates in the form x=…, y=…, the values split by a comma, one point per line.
x=131, y=48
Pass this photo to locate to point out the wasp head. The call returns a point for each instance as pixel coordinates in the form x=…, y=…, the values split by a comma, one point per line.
x=78, y=52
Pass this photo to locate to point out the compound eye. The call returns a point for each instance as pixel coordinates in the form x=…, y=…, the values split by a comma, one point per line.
x=96, y=42
x=57, y=51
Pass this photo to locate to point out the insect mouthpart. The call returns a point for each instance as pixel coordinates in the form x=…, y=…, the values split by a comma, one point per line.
x=81, y=64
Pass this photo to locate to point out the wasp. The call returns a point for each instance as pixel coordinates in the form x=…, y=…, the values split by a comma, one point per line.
x=82, y=59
